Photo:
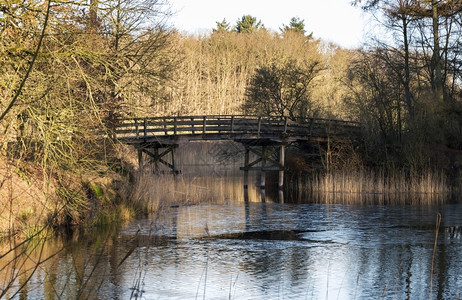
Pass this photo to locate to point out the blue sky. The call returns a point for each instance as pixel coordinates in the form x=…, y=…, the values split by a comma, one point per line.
x=331, y=20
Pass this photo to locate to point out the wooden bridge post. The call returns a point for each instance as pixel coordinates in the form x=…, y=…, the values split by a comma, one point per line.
x=156, y=162
x=174, y=125
x=140, y=159
x=281, y=165
x=281, y=172
x=137, y=129
x=246, y=167
x=247, y=210
x=259, y=126
x=263, y=172
x=204, y=126
x=232, y=124
x=263, y=195
x=164, y=121
x=174, y=170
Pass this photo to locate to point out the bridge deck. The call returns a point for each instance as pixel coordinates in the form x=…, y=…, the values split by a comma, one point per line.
x=180, y=129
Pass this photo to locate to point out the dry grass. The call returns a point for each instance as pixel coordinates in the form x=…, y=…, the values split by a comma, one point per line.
x=23, y=198
x=31, y=198
x=207, y=178
x=157, y=191
x=209, y=173
x=376, y=187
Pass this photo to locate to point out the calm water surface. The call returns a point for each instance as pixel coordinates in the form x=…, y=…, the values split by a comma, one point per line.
x=267, y=251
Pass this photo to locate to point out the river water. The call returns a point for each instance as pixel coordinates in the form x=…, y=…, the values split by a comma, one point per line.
x=257, y=250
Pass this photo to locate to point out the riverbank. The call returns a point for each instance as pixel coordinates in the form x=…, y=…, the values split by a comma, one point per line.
x=32, y=199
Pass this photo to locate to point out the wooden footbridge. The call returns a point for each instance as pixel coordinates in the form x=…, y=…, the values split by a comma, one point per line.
x=266, y=136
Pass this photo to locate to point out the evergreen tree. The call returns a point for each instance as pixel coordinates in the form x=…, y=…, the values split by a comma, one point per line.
x=222, y=26
x=295, y=25
x=248, y=24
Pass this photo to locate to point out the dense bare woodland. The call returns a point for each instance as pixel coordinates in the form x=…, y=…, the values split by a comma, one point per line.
x=69, y=70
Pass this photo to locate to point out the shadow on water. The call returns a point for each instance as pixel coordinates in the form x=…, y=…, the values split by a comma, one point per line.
x=271, y=235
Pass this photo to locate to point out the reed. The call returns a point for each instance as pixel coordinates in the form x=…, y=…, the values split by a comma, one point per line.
x=438, y=223
x=369, y=186
x=159, y=191
x=211, y=171
x=156, y=191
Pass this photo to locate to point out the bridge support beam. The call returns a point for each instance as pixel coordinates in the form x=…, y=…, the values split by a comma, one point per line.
x=281, y=173
x=157, y=152
x=268, y=157
x=246, y=170
x=281, y=164
x=263, y=165
x=140, y=159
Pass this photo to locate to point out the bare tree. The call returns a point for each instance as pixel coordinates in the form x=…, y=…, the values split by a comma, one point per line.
x=436, y=23
x=282, y=90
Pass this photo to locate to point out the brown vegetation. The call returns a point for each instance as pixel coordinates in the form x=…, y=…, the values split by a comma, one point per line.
x=62, y=90
x=68, y=71
x=359, y=187
x=31, y=200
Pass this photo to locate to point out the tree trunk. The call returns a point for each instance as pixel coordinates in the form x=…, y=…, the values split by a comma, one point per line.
x=436, y=59
x=407, y=76
x=92, y=16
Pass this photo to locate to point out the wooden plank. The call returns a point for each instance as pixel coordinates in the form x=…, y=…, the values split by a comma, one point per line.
x=185, y=125
x=270, y=168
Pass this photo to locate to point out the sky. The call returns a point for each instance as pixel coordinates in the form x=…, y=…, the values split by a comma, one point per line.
x=331, y=20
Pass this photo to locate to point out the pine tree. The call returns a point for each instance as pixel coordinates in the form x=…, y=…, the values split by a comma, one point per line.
x=222, y=26
x=295, y=25
x=248, y=24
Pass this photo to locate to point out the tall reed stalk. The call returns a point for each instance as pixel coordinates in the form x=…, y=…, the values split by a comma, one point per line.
x=157, y=191
x=438, y=223
x=374, y=187
x=209, y=171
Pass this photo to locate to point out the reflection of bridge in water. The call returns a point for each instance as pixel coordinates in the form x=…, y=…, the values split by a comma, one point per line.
x=266, y=137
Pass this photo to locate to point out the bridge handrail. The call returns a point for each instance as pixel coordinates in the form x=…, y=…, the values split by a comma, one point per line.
x=229, y=124
x=297, y=119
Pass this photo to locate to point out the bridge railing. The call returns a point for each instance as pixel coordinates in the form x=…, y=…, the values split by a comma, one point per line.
x=230, y=124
